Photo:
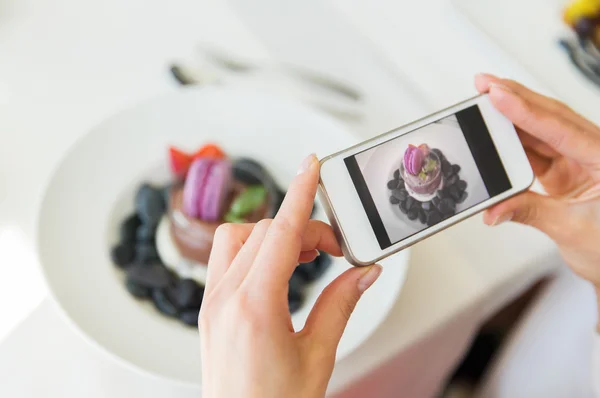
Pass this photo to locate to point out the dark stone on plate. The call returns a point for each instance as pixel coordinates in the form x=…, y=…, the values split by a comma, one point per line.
x=441, y=194
x=296, y=292
x=314, y=209
x=163, y=304
x=325, y=261
x=435, y=201
x=122, y=254
x=433, y=218
x=447, y=206
x=313, y=270
x=422, y=216
x=150, y=204
x=128, y=229
x=426, y=205
x=461, y=185
x=455, y=168
x=296, y=283
x=400, y=193
x=394, y=200
x=454, y=192
x=409, y=202
x=463, y=197
x=413, y=214
x=153, y=276
x=416, y=205
x=451, y=180
x=250, y=172
x=439, y=153
x=166, y=192
x=190, y=317
x=136, y=290
x=446, y=168
x=186, y=294
x=295, y=303
x=403, y=206
x=393, y=184
x=146, y=233
x=397, y=174
x=145, y=253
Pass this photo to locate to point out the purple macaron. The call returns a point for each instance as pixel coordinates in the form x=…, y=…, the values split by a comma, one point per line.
x=205, y=189
x=413, y=160
x=216, y=188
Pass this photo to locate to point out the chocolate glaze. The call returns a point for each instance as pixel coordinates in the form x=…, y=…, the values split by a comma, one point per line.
x=194, y=237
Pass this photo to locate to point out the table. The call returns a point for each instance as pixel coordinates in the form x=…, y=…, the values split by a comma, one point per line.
x=63, y=71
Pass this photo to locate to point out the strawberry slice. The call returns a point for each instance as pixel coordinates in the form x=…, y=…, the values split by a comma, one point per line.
x=211, y=151
x=180, y=161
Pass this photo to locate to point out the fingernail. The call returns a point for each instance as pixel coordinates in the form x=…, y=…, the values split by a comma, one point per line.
x=318, y=252
x=487, y=75
x=501, y=86
x=502, y=219
x=307, y=163
x=369, y=277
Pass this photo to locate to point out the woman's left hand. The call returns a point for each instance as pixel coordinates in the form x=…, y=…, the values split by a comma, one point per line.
x=249, y=347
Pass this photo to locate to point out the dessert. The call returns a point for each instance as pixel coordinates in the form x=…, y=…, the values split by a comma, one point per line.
x=421, y=170
x=164, y=246
x=422, y=173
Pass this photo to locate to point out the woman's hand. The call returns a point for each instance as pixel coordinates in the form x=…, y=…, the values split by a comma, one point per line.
x=249, y=347
x=564, y=151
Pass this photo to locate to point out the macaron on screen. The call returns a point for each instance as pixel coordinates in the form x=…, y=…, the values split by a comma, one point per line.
x=416, y=180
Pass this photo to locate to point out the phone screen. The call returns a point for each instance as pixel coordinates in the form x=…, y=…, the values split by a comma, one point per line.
x=416, y=180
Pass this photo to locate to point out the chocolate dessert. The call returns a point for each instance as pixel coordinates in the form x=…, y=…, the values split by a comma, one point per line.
x=164, y=245
x=194, y=236
x=421, y=170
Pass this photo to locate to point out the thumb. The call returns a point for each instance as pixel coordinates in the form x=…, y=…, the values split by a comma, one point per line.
x=539, y=211
x=328, y=318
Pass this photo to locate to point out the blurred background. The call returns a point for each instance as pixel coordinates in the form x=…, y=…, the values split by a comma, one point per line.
x=66, y=65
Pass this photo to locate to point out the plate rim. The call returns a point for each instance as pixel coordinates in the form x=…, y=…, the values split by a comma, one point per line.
x=96, y=127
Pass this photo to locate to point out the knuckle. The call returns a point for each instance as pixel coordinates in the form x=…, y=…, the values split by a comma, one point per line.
x=283, y=226
x=346, y=307
x=206, y=313
x=246, y=310
x=528, y=114
x=263, y=224
x=512, y=84
x=226, y=231
x=526, y=214
x=561, y=107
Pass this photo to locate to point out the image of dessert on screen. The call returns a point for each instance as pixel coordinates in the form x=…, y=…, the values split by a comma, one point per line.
x=422, y=177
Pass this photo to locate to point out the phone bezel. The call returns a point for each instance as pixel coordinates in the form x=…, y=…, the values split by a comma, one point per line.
x=345, y=210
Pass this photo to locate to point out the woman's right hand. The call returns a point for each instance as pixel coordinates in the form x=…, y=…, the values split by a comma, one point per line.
x=564, y=151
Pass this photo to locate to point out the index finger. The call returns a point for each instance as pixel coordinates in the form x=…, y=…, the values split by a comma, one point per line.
x=552, y=126
x=483, y=82
x=278, y=255
x=560, y=134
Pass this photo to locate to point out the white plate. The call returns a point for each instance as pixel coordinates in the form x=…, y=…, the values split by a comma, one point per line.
x=92, y=190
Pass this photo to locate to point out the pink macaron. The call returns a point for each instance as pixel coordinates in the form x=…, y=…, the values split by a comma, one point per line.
x=205, y=189
x=413, y=160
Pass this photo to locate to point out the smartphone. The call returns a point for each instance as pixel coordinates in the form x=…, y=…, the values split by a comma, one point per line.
x=398, y=188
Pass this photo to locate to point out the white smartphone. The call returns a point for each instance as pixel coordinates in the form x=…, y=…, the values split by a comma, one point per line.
x=398, y=188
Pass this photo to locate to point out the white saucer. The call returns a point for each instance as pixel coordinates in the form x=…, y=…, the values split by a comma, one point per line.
x=93, y=188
